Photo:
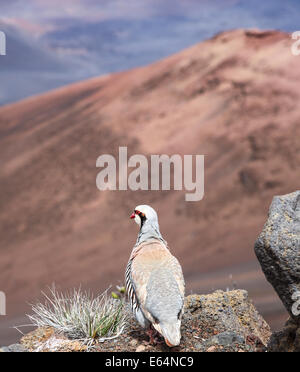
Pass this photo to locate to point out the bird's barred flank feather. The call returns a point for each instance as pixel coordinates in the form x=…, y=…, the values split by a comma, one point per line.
x=130, y=289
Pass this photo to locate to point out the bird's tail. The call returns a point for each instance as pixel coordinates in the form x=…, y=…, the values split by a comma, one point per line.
x=170, y=332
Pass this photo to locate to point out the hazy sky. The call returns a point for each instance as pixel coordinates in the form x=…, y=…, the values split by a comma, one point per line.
x=55, y=42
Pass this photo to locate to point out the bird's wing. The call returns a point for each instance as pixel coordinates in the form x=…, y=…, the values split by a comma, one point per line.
x=177, y=271
x=158, y=281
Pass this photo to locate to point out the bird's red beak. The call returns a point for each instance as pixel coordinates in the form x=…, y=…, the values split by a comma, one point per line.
x=132, y=216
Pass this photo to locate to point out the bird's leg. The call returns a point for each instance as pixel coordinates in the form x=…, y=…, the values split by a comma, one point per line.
x=159, y=339
x=151, y=333
x=154, y=336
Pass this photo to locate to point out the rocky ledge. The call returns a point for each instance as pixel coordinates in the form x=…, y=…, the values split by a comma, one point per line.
x=217, y=322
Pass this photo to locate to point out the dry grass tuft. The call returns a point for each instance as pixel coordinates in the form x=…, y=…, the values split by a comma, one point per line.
x=79, y=316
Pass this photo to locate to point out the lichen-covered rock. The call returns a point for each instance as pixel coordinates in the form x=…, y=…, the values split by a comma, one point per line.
x=278, y=249
x=287, y=340
x=231, y=315
x=15, y=348
x=46, y=340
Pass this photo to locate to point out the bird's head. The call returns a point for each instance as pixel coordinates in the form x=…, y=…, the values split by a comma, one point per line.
x=143, y=213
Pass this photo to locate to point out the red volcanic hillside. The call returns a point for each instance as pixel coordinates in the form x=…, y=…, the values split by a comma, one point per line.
x=233, y=98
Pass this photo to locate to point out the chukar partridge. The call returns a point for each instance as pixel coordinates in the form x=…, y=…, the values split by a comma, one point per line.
x=154, y=280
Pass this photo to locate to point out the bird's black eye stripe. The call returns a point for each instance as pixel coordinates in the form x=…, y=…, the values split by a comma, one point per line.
x=142, y=215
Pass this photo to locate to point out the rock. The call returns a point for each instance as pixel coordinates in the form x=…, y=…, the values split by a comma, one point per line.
x=4, y=349
x=227, y=339
x=217, y=322
x=133, y=342
x=46, y=340
x=15, y=348
x=140, y=348
x=278, y=250
x=36, y=338
x=57, y=343
x=211, y=349
x=287, y=340
x=237, y=317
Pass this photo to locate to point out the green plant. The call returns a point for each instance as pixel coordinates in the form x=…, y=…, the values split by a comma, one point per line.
x=120, y=294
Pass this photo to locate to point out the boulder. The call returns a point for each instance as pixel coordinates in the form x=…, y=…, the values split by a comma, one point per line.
x=47, y=340
x=287, y=340
x=15, y=348
x=228, y=320
x=278, y=250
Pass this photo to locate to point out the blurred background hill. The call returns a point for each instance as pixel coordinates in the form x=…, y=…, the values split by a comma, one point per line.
x=54, y=43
